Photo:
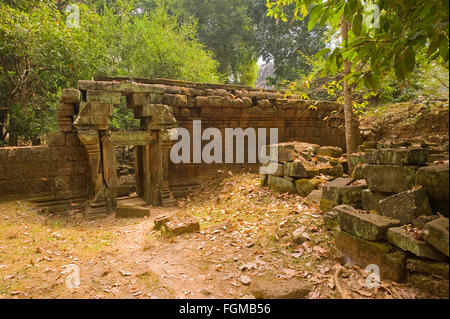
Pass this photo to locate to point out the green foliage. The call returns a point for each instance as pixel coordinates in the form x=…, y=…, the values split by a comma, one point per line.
x=154, y=45
x=405, y=29
x=288, y=44
x=40, y=55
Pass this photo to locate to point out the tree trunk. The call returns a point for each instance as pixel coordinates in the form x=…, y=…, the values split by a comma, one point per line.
x=351, y=124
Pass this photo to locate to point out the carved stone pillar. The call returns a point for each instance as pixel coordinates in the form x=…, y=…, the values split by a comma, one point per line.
x=91, y=141
x=165, y=144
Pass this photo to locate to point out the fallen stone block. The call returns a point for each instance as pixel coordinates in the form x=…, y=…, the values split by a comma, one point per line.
x=429, y=276
x=436, y=234
x=306, y=186
x=397, y=156
x=389, y=178
x=281, y=289
x=391, y=261
x=314, y=196
x=281, y=184
x=301, y=169
x=405, y=240
x=161, y=220
x=330, y=151
x=70, y=96
x=371, y=200
x=330, y=170
x=435, y=179
x=289, y=152
x=364, y=225
x=180, y=227
x=339, y=192
x=132, y=212
x=353, y=161
x=330, y=193
x=406, y=206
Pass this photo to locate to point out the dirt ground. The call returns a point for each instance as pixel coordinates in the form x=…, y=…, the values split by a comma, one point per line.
x=127, y=258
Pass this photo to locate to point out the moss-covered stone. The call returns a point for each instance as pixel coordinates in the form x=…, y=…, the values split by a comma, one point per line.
x=301, y=169
x=436, y=233
x=406, y=206
x=397, y=156
x=330, y=170
x=368, y=226
x=281, y=184
x=389, y=178
x=330, y=151
x=406, y=241
x=435, y=179
x=306, y=186
x=391, y=261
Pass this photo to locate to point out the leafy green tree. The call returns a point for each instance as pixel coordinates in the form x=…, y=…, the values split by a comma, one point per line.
x=152, y=44
x=379, y=38
x=39, y=55
x=286, y=44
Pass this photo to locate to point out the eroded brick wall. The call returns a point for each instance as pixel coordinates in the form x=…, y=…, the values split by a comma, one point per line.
x=59, y=170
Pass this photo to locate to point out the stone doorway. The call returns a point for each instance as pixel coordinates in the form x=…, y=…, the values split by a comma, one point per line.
x=151, y=143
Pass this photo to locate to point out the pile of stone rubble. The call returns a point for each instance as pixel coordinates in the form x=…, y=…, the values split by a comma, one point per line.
x=392, y=212
x=402, y=226
x=303, y=168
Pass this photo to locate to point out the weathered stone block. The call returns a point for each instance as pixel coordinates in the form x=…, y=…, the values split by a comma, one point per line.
x=288, y=289
x=300, y=169
x=364, y=225
x=353, y=161
x=57, y=139
x=281, y=184
x=391, y=261
x=180, y=227
x=72, y=139
x=397, y=156
x=406, y=206
x=406, y=241
x=335, y=171
x=330, y=151
x=435, y=179
x=389, y=178
x=306, y=186
x=70, y=96
x=103, y=96
x=330, y=193
x=340, y=192
x=176, y=100
x=371, y=200
x=436, y=234
x=64, y=110
x=314, y=196
x=289, y=152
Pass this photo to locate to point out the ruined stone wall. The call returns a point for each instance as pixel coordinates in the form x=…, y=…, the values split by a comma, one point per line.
x=58, y=171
